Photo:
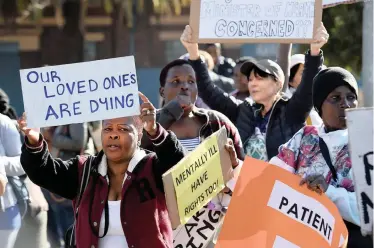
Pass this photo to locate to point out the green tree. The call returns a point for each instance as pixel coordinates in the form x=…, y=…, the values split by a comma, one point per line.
x=344, y=48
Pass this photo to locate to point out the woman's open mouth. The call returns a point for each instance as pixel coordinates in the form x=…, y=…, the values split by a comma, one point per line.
x=113, y=147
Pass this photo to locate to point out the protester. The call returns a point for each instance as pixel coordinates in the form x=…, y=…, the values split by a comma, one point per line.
x=320, y=154
x=66, y=141
x=274, y=119
x=10, y=151
x=224, y=83
x=5, y=107
x=33, y=232
x=241, y=81
x=124, y=179
x=30, y=200
x=192, y=125
x=222, y=66
x=296, y=72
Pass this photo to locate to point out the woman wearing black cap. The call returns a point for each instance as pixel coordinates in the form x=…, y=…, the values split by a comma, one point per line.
x=320, y=154
x=274, y=119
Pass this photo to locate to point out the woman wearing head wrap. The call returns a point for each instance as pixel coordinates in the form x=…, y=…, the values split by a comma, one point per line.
x=320, y=154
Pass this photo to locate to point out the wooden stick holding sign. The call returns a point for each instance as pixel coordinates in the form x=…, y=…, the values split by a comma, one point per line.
x=360, y=129
x=255, y=21
x=197, y=178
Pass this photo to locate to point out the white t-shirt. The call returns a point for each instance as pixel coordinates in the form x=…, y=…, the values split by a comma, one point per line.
x=115, y=238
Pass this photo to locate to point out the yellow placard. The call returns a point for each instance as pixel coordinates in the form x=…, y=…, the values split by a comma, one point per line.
x=198, y=178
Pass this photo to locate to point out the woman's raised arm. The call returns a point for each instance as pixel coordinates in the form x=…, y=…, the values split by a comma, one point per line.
x=57, y=176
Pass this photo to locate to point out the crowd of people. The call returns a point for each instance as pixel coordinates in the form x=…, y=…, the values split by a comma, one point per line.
x=289, y=112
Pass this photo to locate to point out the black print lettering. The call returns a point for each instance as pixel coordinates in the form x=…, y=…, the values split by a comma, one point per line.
x=144, y=189
x=189, y=227
x=284, y=202
x=366, y=202
x=310, y=216
x=293, y=210
x=314, y=219
x=196, y=203
x=192, y=245
x=207, y=225
x=199, y=181
x=326, y=228
x=368, y=167
x=198, y=214
x=212, y=214
x=258, y=29
x=305, y=210
x=192, y=168
x=211, y=188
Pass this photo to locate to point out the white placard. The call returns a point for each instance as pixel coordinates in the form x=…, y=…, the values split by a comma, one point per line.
x=81, y=92
x=360, y=130
x=270, y=19
x=303, y=209
x=199, y=230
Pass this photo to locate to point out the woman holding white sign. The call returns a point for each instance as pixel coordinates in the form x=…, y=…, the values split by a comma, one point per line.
x=119, y=192
x=320, y=154
x=274, y=118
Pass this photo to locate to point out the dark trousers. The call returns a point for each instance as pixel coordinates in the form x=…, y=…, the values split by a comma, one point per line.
x=355, y=238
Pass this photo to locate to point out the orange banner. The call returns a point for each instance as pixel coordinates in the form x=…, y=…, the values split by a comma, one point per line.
x=269, y=209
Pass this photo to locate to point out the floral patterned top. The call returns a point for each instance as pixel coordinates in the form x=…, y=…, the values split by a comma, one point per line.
x=302, y=155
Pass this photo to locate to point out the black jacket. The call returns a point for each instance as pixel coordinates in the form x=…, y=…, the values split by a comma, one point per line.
x=54, y=173
x=287, y=116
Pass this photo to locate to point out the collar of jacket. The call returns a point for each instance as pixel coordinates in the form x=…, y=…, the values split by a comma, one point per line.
x=100, y=162
x=138, y=156
x=283, y=98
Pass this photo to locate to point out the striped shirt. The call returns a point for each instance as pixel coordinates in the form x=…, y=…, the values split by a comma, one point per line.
x=190, y=144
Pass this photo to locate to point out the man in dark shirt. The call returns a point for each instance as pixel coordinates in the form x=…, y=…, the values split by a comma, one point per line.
x=223, y=66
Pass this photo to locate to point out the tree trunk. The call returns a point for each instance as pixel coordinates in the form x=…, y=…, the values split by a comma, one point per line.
x=9, y=12
x=72, y=35
x=367, y=53
x=118, y=15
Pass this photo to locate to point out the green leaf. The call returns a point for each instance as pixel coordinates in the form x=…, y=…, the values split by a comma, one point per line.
x=108, y=6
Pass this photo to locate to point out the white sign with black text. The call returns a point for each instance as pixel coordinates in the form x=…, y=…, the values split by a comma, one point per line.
x=199, y=230
x=360, y=130
x=271, y=19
